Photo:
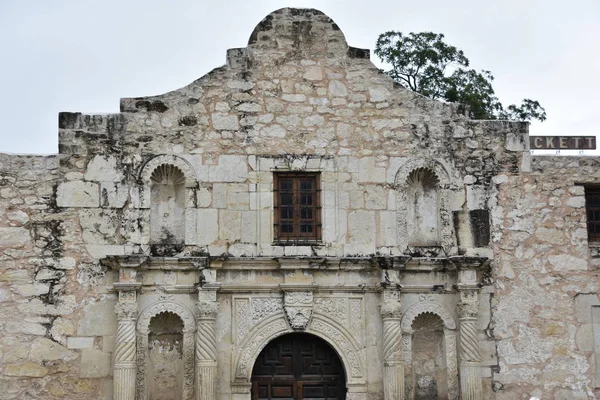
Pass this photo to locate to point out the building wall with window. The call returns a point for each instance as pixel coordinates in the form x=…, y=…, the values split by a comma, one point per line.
x=296, y=189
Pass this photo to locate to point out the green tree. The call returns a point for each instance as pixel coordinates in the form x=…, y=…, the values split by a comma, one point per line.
x=424, y=63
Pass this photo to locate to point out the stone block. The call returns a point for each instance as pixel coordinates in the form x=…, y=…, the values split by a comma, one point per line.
x=43, y=349
x=14, y=237
x=230, y=225
x=61, y=328
x=78, y=194
x=26, y=369
x=230, y=168
x=113, y=195
x=583, y=307
x=361, y=227
x=98, y=319
x=386, y=235
x=375, y=197
x=222, y=121
x=584, y=338
x=94, y=364
x=103, y=168
x=567, y=262
x=208, y=228
x=33, y=289
x=378, y=93
x=368, y=172
x=337, y=89
x=203, y=197
x=80, y=342
x=249, y=227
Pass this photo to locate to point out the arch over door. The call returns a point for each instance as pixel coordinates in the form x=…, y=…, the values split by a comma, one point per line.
x=298, y=366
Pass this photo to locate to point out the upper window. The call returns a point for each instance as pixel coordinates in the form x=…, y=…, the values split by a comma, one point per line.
x=297, y=207
x=592, y=205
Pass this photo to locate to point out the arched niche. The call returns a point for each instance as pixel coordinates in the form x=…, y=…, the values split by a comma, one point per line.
x=331, y=332
x=165, y=357
x=429, y=372
x=167, y=184
x=433, y=317
x=144, y=331
x=167, y=205
x=423, y=215
x=423, y=208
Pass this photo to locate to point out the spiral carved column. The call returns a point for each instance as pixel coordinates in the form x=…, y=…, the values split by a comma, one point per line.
x=470, y=358
x=124, y=370
x=393, y=368
x=206, y=346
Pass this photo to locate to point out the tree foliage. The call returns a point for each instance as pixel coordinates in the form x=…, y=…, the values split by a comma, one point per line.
x=424, y=63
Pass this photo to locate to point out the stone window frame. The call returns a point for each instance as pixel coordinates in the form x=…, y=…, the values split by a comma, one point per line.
x=262, y=201
x=298, y=237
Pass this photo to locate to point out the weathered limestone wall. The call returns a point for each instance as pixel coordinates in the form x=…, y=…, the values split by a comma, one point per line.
x=545, y=281
x=297, y=99
x=45, y=350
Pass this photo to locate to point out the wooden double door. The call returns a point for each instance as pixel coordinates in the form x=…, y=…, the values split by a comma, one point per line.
x=298, y=366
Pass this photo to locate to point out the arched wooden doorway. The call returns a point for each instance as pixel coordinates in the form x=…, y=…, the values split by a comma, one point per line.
x=298, y=366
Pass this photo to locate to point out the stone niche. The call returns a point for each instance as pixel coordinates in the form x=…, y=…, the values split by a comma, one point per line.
x=429, y=358
x=165, y=357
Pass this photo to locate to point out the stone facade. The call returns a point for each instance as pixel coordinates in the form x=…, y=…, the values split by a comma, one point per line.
x=142, y=257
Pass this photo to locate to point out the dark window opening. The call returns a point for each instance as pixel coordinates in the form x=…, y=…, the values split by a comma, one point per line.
x=297, y=208
x=592, y=206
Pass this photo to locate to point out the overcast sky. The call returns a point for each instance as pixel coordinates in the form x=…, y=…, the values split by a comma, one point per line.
x=83, y=55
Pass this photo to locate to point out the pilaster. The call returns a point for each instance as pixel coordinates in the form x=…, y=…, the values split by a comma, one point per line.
x=393, y=366
x=469, y=354
x=206, y=344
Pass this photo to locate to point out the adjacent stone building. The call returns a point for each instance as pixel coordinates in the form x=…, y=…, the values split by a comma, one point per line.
x=294, y=225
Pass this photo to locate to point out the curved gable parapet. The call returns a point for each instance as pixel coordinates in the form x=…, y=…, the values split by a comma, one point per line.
x=302, y=33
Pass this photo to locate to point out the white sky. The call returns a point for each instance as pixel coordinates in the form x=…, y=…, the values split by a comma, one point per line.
x=83, y=55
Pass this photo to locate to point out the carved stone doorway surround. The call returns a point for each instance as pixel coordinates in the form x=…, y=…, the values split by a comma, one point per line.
x=259, y=319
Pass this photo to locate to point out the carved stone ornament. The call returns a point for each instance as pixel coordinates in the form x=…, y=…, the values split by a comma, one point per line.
x=468, y=306
x=298, y=308
x=390, y=306
x=126, y=310
x=207, y=309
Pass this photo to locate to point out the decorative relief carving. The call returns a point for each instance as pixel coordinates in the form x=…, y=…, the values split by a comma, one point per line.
x=390, y=306
x=451, y=364
x=186, y=316
x=188, y=365
x=126, y=311
x=468, y=308
x=242, y=318
x=298, y=309
x=128, y=296
x=407, y=347
x=356, y=320
x=207, y=309
x=142, y=352
x=420, y=308
x=336, y=336
x=333, y=307
x=253, y=347
x=265, y=307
